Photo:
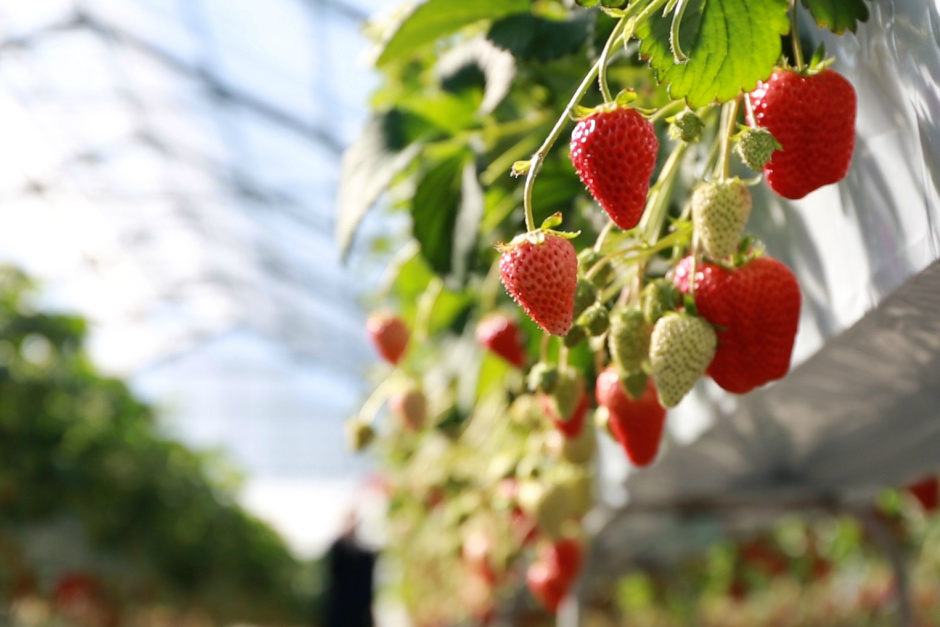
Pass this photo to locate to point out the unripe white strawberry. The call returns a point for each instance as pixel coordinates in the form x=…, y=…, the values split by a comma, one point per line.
x=720, y=210
x=681, y=347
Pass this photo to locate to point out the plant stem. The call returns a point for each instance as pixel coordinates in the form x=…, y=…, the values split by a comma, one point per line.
x=537, y=160
x=612, y=43
x=729, y=115
x=655, y=214
x=649, y=10
x=426, y=307
x=374, y=403
x=535, y=164
x=795, y=38
x=665, y=110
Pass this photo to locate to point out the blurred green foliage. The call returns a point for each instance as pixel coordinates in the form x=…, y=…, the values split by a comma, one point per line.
x=77, y=446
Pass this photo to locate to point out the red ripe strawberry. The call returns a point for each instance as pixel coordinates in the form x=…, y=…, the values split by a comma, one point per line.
x=636, y=424
x=477, y=552
x=500, y=334
x=755, y=309
x=572, y=426
x=614, y=152
x=813, y=118
x=552, y=574
x=565, y=556
x=546, y=586
x=389, y=335
x=927, y=492
x=540, y=272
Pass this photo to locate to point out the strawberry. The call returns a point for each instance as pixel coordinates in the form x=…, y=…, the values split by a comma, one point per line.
x=570, y=427
x=686, y=126
x=500, y=335
x=409, y=408
x=577, y=450
x=547, y=503
x=614, y=152
x=629, y=338
x=658, y=297
x=565, y=556
x=477, y=553
x=389, y=335
x=720, y=210
x=756, y=309
x=813, y=118
x=636, y=424
x=550, y=576
x=681, y=347
x=546, y=585
x=359, y=434
x=755, y=146
x=926, y=492
x=588, y=260
x=568, y=404
x=540, y=272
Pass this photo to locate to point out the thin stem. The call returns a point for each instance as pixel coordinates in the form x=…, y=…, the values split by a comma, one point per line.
x=643, y=250
x=653, y=217
x=665, y=110
x=599, y=242
x=543, y=348
x=375, y=401
x=612, y=42
x=729, y=115
x=426, y=307
x=795, y=38
x=535, y=164
x=649, y=10
x=490, y=290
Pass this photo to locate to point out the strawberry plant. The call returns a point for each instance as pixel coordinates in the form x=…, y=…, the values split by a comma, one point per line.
x=537, y=282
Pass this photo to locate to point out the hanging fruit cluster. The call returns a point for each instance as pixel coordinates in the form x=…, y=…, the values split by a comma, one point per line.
x=650, y=288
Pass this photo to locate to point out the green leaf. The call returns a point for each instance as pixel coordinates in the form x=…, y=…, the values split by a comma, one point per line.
x=730, y=44
x=433, y=19
x=369, y=166
x=446, y=212
x=535, y=38
x=838, y=15
x=478, y=63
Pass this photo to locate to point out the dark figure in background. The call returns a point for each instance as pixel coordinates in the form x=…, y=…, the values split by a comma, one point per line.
x=349, y=589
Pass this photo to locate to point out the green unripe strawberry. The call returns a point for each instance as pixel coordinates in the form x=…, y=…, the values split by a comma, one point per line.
x=578, y=481
x=659, y=297
x=547, y=503
x=542, y=378
x=576, y=335
x=359, y=434
x=755, y=146
x=681, y=347
x=577, y=450
x=594, y=319
x=629, y=339
x=720, y=210
x=526, y=412
x=585, y=295
x=567, y=395
x=686, y=126
x=602, y=276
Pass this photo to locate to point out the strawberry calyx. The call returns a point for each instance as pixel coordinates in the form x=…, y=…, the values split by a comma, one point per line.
x=623, y=100
x=817, y=63
x=538, y=236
